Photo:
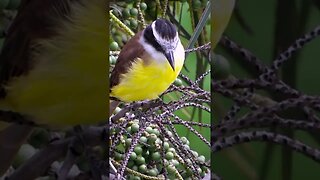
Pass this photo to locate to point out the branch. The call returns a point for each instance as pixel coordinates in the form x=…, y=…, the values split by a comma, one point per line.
x=244, y=137
x=41, y=161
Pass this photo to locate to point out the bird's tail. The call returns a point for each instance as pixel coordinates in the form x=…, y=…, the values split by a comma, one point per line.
x=11, y=139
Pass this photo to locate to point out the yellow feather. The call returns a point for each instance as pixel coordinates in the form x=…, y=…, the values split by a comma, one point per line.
x=146, y=82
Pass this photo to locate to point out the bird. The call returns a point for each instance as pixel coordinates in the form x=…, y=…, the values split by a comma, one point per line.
x=147, y=64
x=53, y=68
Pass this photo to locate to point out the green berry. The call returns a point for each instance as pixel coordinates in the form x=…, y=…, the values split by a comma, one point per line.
x=133, y=23
x=152, y=138
x=196, y=4
x=178, y=82
x=125, y=13
x=184, y=140
x=143, y=168
x=149, y=130
x=171, y=169
x=134, y=12
x=128, y=142
x=129, y=129
x=195, y=153
x=171, y=150
x=118, y=38
x=138, y=150
x=143, y=6
x=133, y=156
x=114, y=46
x=135, y=127
x=153, y=172
x=201, y=159
x=118, y=156
x=156, y=156
x=169, y=155
x=156, y=132
x=166, y=145
x=140, y=160
x=143, y=139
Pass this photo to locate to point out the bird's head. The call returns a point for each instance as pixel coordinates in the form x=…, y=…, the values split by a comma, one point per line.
x=162, y=35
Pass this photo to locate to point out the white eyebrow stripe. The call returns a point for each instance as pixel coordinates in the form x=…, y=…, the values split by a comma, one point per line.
x=168, y=44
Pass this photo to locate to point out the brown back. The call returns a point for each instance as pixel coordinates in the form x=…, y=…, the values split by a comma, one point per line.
x=129, y=53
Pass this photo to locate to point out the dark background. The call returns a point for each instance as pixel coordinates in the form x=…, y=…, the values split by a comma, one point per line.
x=266, y=28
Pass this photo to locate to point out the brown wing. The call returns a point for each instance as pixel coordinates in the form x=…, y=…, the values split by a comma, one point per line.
x=36, y=19
x=129, y=53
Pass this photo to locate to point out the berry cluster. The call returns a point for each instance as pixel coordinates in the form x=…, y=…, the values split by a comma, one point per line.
x=153, y=153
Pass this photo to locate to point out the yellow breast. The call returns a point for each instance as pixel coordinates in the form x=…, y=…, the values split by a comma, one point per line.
x=146, y=82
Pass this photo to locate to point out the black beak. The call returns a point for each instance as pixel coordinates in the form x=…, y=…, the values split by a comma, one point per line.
x=170, y=58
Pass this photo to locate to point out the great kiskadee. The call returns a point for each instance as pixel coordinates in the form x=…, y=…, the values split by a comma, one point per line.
x=53, y=68
x=148, y=63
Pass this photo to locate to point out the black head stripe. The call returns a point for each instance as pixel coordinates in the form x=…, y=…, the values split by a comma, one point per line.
x=165, y=29
x=149, y=37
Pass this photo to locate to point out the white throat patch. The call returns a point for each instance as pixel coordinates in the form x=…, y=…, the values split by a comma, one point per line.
x=156, y=55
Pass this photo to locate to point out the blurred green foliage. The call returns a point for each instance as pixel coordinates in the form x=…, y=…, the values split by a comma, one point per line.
x=266, y=28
